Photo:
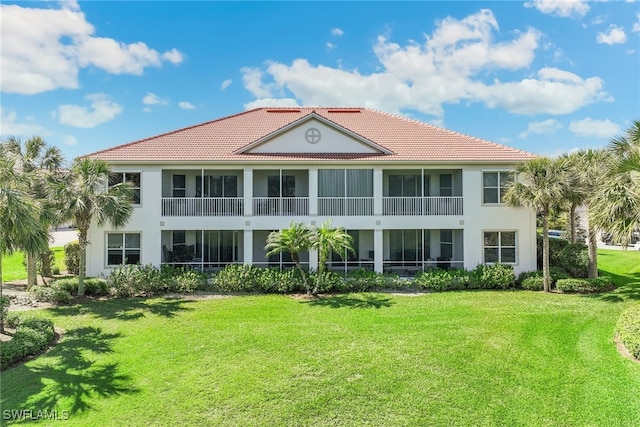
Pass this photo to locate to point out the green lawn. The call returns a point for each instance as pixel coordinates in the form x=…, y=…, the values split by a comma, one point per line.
x=13, y=269
x=457, y=358
x=454, y=358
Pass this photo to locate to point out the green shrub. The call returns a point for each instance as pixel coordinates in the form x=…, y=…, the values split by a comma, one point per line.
x=574, y=259
x=533, y=283
x=525, y=275
x=31, y=337
x=494, y=276
x=93, y=286
x=628, y=330
x=72, y=257
x=557, y=273
x=443, y=280
x=189, y=280
x=363, y=280
x=585, y=286
x=238, y=278
x=276, y=281
x=13, y=319
x=49, y=294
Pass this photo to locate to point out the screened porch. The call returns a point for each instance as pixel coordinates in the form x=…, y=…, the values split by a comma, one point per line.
x=202, y=249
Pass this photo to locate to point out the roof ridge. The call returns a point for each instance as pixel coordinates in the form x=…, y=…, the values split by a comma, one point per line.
x=172, y=132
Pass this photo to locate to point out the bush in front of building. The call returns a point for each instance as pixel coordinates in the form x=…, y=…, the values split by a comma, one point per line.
x=32, y=336
x=628, y=330
x=585, y=286
x=72, y=257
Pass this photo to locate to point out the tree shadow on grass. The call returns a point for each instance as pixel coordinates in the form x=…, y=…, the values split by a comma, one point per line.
x=630, y=291
x=352, y=301
x=126, y=309
x=67, y=378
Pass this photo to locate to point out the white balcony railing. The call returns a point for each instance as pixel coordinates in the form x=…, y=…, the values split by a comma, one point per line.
x=202, y=206
x=345, y=206
x=280, y=206
x=422, y=205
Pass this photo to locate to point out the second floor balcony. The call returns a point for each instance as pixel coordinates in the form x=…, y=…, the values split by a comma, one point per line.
x=331, y=192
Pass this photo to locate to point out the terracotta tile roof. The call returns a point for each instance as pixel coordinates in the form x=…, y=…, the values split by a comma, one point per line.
x=218, y=140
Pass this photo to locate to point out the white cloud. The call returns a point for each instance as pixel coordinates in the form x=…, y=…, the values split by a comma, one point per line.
x=613, y=35
x=600, y=19
x=9, y=125
x=101, y=111
x=562, y=8
x=153, y=99
x=69, y=140
x=541, y=128
x=331, y=46
x=337, y=32
x=458, y=62
x=589, y=127
x=225, y=84
x=146, y=110
x=186, y=105
x=69, y=4
x=174, y=56
x=271, y=102
x=43, y=49
x=636, y=25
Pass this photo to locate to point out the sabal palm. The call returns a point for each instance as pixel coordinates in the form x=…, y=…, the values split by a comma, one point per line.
x=38, y=164
x=539, y=186
x=617, y=201
x=326, y=239
x=587, y=167
x=88, y=197
x=294, y=240
x=19, y=216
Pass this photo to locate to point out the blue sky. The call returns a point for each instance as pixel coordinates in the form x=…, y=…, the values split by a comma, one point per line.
x=547, y=76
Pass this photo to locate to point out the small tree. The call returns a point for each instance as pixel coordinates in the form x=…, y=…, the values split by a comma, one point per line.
x=326, y=239
x=293, y=240
x=88, y=197
x=39, y=165
x=540, y=185
x=19, y=219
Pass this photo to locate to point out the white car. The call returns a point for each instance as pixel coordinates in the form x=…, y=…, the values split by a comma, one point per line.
x=636, y=245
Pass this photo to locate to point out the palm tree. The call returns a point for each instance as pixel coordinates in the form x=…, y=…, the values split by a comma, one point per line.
x=39, y=164
x=19, y=219
x=293, y=240
x=617, y=201
x=539, y=186
x=88, y=197
x=326, y=239
x=588, y=166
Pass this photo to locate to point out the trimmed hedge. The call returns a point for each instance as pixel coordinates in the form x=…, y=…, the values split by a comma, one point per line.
x=496, y=276
x=32, y=336
x=628, y=329
x=533, y=283
x=585, y=286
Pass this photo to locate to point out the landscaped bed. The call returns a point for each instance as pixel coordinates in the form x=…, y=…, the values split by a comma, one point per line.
x=463, y=358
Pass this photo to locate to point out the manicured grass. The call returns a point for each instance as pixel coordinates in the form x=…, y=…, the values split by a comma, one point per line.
x=13, y=269
x=622, y=266
x=455, y=358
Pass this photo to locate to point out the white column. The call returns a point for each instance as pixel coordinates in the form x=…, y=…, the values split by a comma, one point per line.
x=247, y=190
x=377, y=191
x=248, y=246
x=378, y=251
x=313, y=191
x=313, y=260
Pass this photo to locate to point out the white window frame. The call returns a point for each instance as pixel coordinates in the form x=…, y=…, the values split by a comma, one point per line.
x=123, y=248
x=498, y=188
x=124, y=179
x=499, y=247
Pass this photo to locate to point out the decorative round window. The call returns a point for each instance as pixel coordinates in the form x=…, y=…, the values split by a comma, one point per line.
x=312, y=135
